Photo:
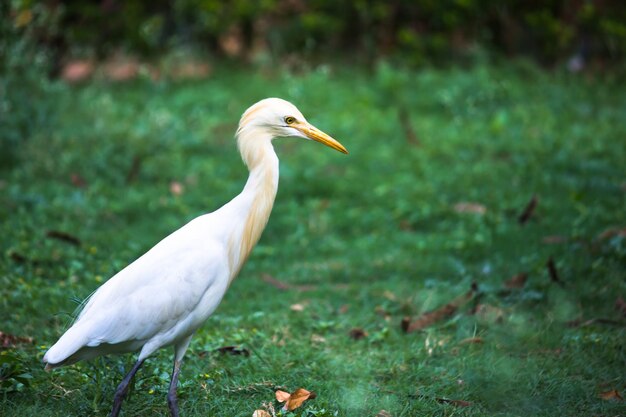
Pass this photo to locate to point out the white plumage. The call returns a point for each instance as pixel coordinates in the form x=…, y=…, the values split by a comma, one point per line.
x=164, y=296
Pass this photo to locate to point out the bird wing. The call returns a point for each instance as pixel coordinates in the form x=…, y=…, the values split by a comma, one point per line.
x=167, y=292
x=160, y=288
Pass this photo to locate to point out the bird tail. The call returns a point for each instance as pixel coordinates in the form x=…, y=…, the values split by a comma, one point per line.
x=61, y=352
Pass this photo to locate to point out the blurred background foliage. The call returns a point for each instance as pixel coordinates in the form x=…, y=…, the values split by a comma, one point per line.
x=39, y=40
x=422, y=31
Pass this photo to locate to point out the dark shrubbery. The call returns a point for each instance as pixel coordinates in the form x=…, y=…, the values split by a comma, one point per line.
x=420, y=30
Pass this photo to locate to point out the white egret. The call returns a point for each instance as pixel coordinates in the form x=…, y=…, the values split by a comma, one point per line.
x=164, y=296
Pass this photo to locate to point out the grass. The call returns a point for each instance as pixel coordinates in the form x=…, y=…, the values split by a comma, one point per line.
x=374, y=234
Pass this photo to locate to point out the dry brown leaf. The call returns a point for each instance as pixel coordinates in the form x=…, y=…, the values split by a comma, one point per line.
x=316, y=338
x=553, y=239
x=282, y=396
x=121, y=68
x=357, y=333
x=77, y=180
x=295, y=399
x=611, y=395
x=190, y=70
x=298, y=397
x=232, y=41
x=176, y=188
x=611, y=232
x=285, y=285
x=431, y=317
x=441, y=313
x=77, y=70
x=261, y=413
x=296, y=307
x=383, y=413
x=406, y=225
x=469, y=207
x=516, y=281
x=10, y=341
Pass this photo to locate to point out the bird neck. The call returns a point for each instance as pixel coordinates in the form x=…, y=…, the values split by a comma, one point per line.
x=257, y=197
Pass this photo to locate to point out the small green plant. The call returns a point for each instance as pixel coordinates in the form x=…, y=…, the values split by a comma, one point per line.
x=14, y=374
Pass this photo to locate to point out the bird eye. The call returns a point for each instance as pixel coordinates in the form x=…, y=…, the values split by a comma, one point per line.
x=290, y=120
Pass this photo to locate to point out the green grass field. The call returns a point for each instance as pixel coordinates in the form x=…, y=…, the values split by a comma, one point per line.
x=360, y=241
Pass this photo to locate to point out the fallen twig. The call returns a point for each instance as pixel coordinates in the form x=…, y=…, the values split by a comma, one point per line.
x=63, y=236
x=554, y=273
x=529, y=210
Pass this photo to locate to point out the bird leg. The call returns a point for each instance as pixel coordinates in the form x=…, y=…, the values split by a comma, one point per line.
x=122, y=389
x=172, y=401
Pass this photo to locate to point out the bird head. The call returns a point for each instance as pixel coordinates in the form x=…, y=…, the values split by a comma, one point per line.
x=280, y=118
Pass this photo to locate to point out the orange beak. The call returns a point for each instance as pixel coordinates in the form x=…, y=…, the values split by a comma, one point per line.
x=317, y=135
